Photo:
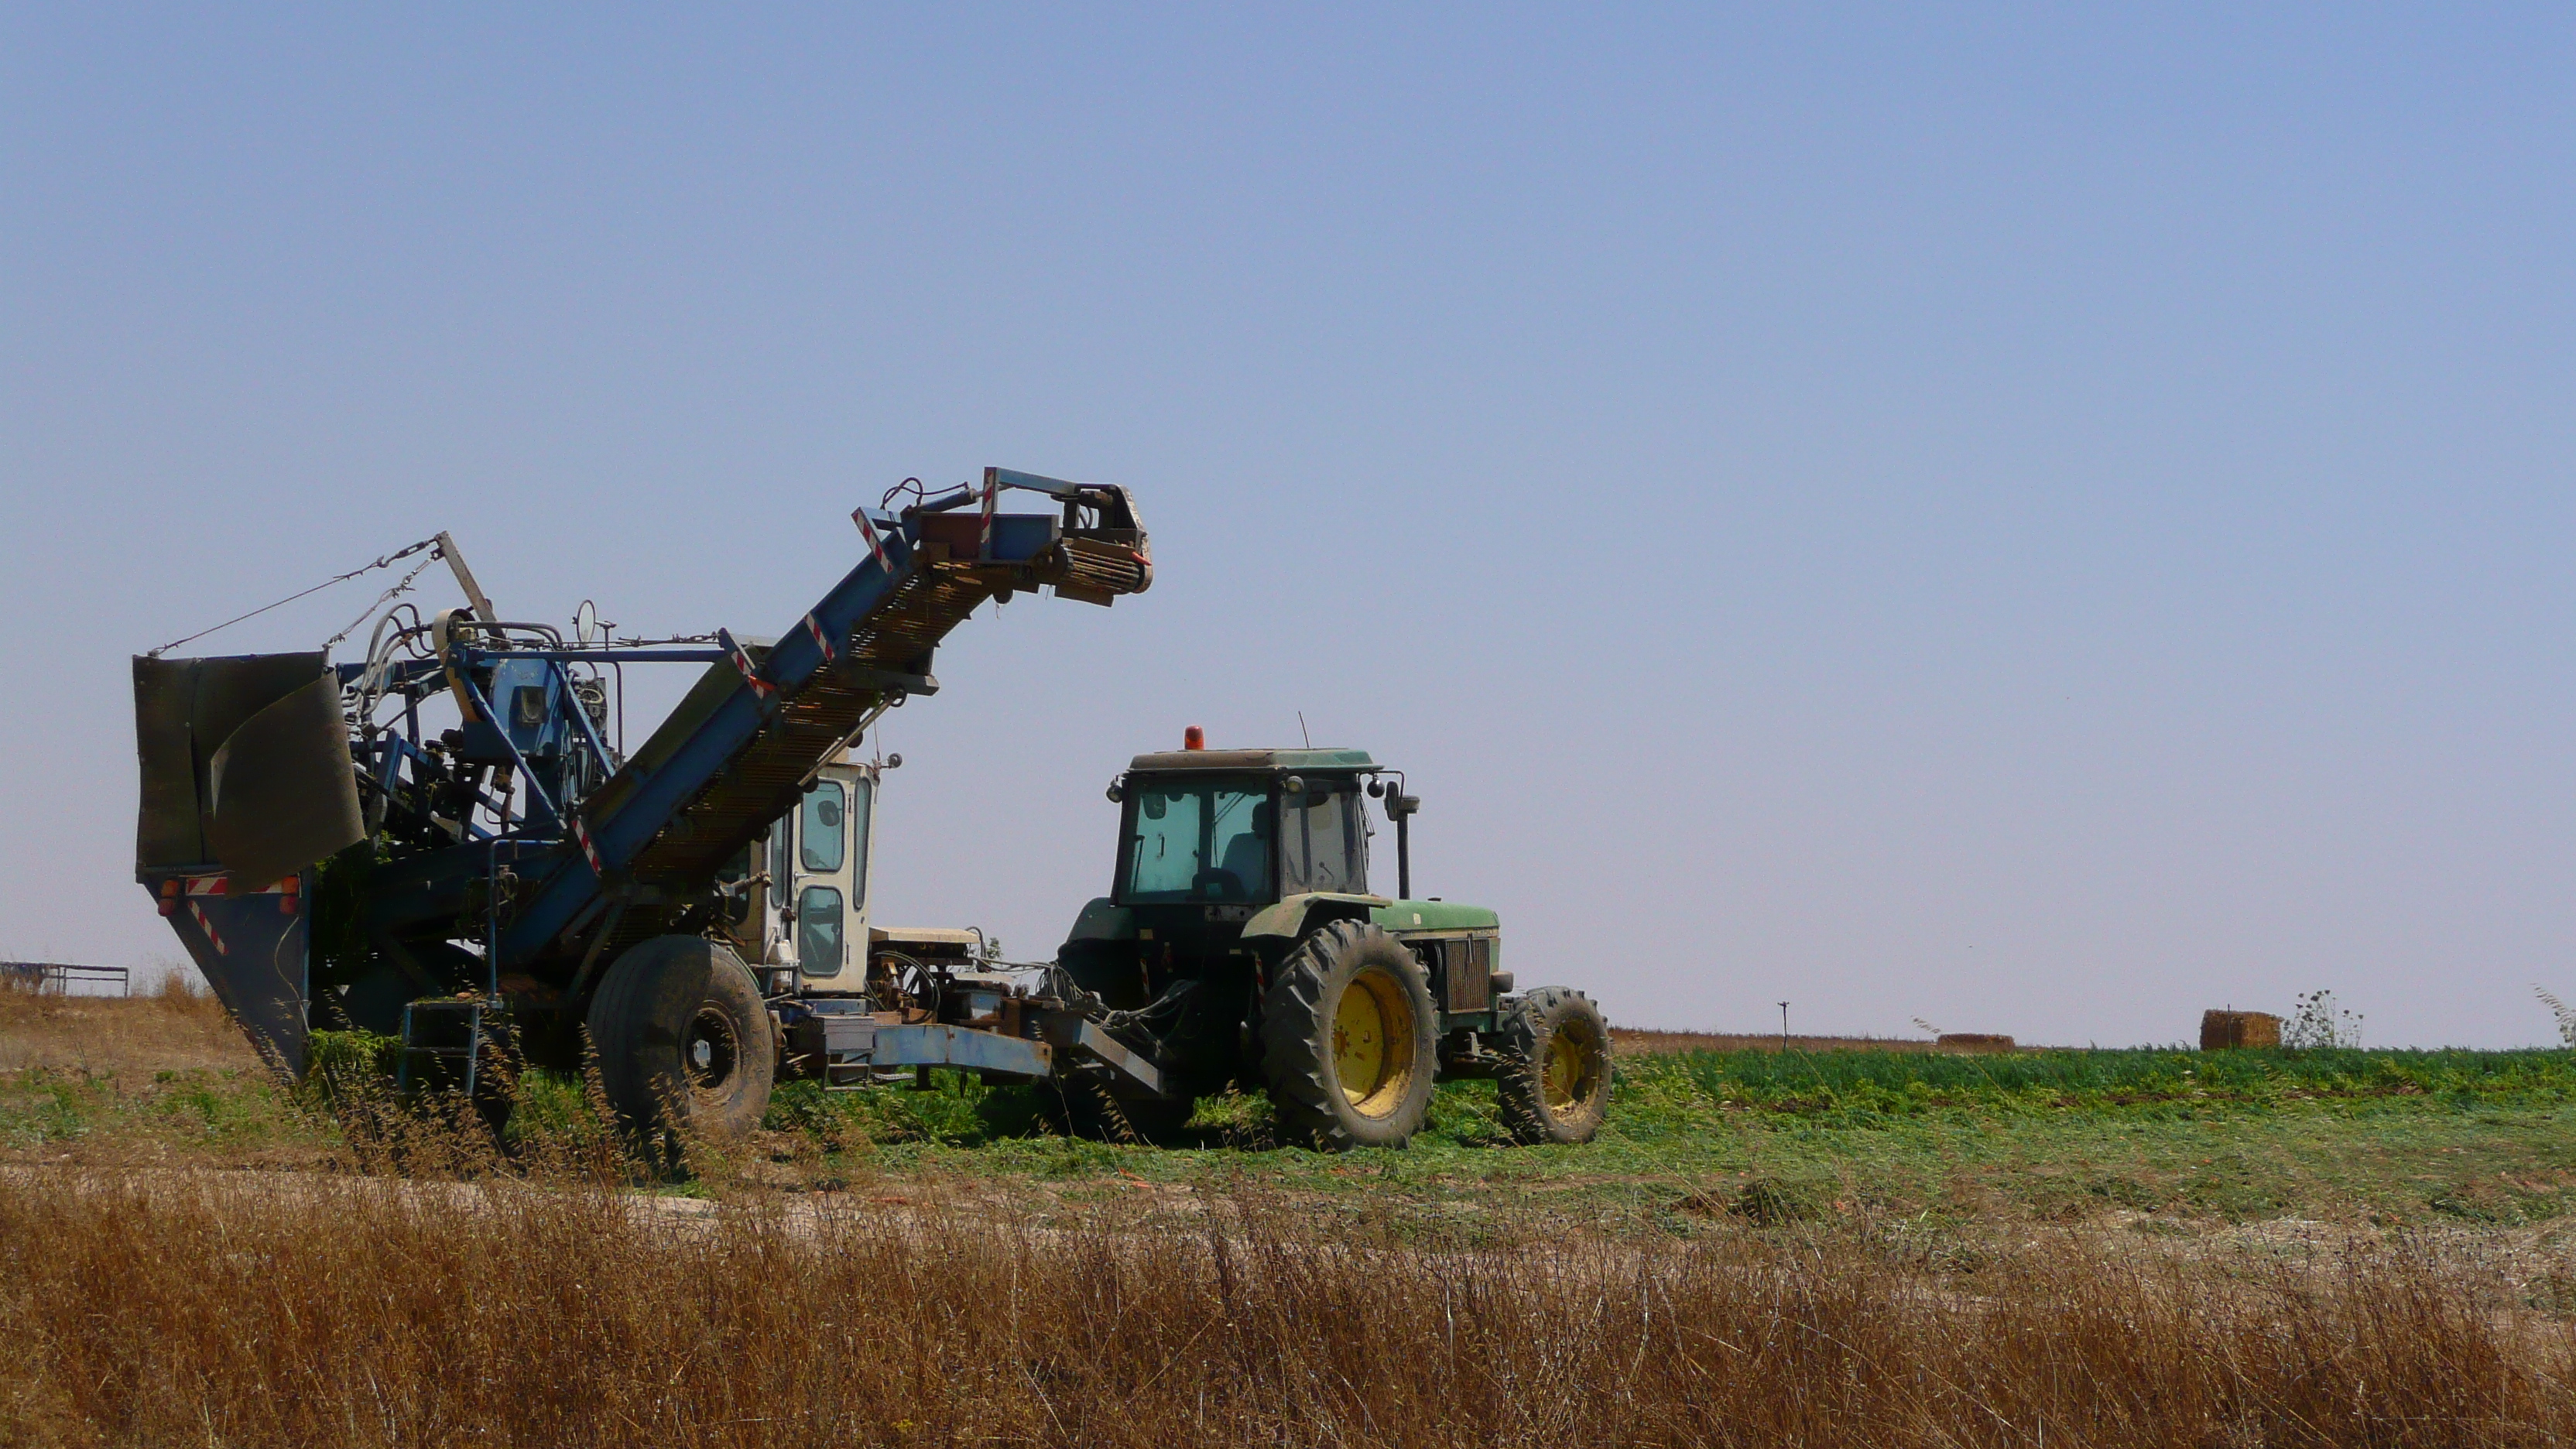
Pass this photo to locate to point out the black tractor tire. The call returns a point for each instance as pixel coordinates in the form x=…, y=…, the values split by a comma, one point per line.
x=683, y=1042
x=1554, y=1085
x=1349, y=1040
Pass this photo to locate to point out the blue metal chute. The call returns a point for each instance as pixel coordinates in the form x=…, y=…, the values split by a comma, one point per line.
x=740, y=747
x=642, y=801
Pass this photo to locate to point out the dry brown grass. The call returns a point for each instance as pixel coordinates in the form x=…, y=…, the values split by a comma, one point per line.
x=242, y=1309
x=177, y=1028
x=434, y=1291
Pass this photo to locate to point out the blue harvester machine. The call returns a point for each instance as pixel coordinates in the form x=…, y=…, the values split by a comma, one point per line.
x=440, y=842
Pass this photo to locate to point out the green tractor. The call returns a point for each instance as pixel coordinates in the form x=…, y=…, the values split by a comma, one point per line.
x=1241, y=936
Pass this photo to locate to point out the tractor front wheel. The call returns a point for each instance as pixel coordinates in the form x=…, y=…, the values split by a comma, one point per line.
x=1347, y=1039
x=1555, y=1082
x=683, y=1040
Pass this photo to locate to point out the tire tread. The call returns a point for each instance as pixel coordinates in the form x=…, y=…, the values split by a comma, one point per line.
x=1518, y=1091
x=1296, y=1038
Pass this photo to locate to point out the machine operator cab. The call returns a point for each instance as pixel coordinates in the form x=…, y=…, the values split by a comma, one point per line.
x=1231, y=831
x=803, y=922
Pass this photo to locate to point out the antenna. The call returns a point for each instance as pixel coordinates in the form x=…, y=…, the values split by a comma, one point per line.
x=1301, y=729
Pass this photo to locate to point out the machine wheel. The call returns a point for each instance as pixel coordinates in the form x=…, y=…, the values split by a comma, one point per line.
x=1555, y=1081
x=1348, y=1036
x=683, y=1039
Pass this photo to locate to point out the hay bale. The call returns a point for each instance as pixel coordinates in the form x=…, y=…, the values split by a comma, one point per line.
x=1974, y=1041
x=2220, y=1030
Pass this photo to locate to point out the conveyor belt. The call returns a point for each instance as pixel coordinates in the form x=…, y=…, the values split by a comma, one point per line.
x=761, y=782
x=732, y=758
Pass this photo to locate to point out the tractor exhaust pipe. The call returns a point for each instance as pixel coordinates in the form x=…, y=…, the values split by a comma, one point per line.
x=1402, y=807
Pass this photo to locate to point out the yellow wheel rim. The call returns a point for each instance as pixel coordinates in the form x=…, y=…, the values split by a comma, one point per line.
x=1373, y=1042
x=1568, y=1076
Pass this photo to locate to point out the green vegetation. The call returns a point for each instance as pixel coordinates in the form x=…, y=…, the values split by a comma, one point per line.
x=2153, y=1137
x=2151, y=1140
x=2170, y=1082
x=44, y=1111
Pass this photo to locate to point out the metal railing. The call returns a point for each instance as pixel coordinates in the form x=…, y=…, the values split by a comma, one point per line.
x=67, y=980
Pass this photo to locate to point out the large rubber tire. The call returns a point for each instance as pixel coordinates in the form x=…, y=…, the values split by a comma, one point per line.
x=1554, y=1085
x=1349, y=1040
x=683, y=1041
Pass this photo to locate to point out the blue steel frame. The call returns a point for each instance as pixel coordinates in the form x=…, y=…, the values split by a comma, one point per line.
x=567, y=892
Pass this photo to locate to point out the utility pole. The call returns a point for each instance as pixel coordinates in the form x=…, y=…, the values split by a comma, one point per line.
x=1784, y=1026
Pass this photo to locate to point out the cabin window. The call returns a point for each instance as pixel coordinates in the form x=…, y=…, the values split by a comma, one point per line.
x=819, y=946
x=823, y=828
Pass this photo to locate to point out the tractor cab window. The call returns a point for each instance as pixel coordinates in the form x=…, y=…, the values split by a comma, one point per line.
x=1194, y=841
x=1323, y=844
x=862, y=811
x=822, y=827
x=819, y=947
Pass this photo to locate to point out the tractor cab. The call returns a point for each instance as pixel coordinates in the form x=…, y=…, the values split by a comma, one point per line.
x=799, y=893
x=1230, y=831
x=800, y=911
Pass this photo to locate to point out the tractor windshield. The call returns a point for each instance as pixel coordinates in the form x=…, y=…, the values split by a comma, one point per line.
x=1198, y=840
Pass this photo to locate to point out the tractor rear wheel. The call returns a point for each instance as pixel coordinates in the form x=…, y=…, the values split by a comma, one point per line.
x=1555, y=1082
x=1348, y=1037
x=683, y=1040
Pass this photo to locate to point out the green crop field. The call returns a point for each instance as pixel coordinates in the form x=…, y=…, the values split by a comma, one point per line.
x=2160, y=1139
x=2150, y=1140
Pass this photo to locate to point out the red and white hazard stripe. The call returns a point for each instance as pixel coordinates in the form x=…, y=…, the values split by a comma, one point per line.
x=822, y=640
x=219, y=885
x=992, y=487
x=751, y=673
x=207, y=926
x=200, y=886
x=589, y=852
x=876, y=545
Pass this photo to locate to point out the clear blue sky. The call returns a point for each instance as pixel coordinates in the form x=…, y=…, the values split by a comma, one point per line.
x=2043, y=520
